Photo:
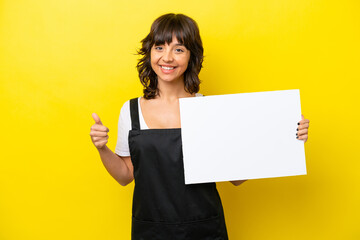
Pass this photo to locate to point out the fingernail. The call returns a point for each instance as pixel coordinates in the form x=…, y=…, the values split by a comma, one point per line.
x=297, y=136
x=298, y=123
x=297, y=129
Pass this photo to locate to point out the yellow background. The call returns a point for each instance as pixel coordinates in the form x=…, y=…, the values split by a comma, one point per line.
x=60, y=61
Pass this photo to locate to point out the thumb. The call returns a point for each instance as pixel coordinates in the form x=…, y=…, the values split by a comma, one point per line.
x=96, y=118
x=302, y=117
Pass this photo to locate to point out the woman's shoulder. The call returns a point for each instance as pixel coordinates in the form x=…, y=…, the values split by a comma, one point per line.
x=126, y=105
x=125, y=109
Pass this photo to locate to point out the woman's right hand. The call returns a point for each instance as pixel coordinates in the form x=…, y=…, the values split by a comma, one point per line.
x=98, y=133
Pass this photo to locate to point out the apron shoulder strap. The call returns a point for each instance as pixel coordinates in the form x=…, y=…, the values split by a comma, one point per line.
x=134, y=113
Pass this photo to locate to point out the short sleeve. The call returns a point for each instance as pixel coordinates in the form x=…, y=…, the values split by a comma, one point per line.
x=124, y=126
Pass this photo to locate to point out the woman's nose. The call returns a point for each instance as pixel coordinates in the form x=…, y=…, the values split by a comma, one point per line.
x=168, y=56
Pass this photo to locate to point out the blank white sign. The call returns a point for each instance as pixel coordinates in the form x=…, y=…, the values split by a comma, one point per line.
x=241, y=136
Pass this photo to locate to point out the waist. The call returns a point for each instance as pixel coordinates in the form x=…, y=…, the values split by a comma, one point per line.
x=171, y=203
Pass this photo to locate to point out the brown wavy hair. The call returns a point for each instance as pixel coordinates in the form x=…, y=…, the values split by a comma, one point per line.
x=162, y=30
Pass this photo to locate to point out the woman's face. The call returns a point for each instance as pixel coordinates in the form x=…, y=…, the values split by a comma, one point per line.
x=169, y=61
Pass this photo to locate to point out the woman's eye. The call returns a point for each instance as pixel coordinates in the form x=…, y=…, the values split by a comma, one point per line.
x=179, y=50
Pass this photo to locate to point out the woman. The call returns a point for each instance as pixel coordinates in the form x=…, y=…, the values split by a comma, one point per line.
x=149, y=140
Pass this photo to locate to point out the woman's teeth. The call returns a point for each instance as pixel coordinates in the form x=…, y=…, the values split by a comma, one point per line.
x=167, y=68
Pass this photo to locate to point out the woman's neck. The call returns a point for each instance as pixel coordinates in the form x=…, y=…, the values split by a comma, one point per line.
x=172, y=91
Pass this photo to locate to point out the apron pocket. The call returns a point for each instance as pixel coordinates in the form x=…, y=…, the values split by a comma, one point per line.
x=207, y=229
x=149, y=230
x=142, y=230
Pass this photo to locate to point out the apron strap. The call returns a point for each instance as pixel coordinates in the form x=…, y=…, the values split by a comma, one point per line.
x=134, y=113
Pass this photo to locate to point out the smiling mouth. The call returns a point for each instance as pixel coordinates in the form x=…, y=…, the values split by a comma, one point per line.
x=167, y=68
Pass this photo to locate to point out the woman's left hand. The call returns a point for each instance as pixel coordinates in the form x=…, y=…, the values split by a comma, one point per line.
x=302, y=130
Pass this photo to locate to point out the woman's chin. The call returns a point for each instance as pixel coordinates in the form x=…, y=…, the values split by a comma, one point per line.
x=168, y=79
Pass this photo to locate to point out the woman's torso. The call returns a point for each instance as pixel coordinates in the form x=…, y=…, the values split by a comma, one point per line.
x=163, y=206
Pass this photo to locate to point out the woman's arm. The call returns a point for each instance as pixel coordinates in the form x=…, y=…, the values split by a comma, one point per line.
x=120, y=168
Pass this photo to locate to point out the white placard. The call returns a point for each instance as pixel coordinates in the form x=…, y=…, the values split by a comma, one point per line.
x=241, y=136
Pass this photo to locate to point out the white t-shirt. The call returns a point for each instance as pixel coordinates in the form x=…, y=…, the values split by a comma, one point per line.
x=124, y=126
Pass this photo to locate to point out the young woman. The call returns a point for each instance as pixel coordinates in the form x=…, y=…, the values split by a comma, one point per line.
x=149, y=148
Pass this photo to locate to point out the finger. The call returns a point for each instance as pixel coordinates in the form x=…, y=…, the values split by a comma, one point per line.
x=100, y=128
x=303, y=137
x=303, y=121
x=302, y=132
x=97, y=139
x=96, y=118
x=302, y=117
x=303, y=126
x=98, y=134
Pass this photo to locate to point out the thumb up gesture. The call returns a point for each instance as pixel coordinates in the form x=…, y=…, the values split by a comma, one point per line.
x=98, y=133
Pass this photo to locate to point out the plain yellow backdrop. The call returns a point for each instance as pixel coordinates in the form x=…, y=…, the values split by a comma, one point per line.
x=60, y=61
